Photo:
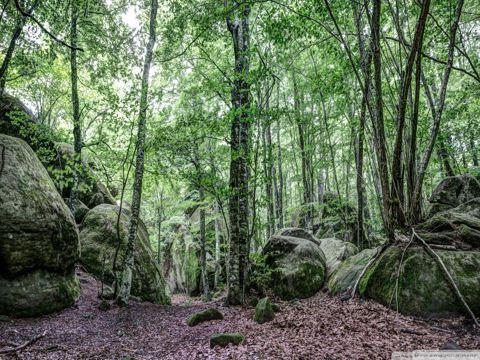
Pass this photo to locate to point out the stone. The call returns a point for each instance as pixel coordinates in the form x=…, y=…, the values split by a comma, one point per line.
x=335, y=251
x=343, y=279
x=98, y=238
x=298, y=233
x=297, y=266
x=81, y=211
x=423, y=289
x=459, y=226
x=38, y=237
x=264, y=311
x=452, y=192
x=205, y=315
x=224, y=339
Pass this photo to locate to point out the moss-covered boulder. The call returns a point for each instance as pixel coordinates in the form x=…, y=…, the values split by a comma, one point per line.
x=38, y=236
x=459, y=226
x=264, y=311
x=335, y=251
x=181, y=260
x=205, y=315
x=296, y=266
x=422, y=286
x=452, y=192
x=225, y=339
x=98, y=238
x=344, y=277
x=298, y=233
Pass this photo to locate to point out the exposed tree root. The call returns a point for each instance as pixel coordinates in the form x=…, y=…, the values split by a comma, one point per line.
x=25, y=344
x=439, y=260
x=377, y=255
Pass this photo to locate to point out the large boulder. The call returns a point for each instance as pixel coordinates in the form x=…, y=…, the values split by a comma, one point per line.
x=38, y=236
x=18, y=121
x=343, y=279
x=335, y=251
x=337, y=219
x=458, y=227
x=452, y=192
x=98, y=238
x=181, y=260
x=297, y=266
x=422, y=285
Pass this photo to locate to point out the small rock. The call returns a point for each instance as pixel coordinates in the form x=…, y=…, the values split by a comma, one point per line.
x=104, y=305
x=223, y=339
x=205, y=315
x=264, y=311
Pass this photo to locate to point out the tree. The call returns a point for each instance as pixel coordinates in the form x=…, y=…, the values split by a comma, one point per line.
x=126, y=279
x=238, y=24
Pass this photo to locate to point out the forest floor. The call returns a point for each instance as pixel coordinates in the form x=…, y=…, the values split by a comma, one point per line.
x=322, y=327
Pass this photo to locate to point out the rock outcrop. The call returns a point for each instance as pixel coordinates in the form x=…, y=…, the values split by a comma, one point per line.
x=98, y=238
x=38, y=236
x=335, y=251
x=297, y=266
x=343, y=279
x=422, y=286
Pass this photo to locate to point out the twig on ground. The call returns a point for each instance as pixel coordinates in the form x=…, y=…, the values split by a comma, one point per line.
x=25, y=344
x=439, y=260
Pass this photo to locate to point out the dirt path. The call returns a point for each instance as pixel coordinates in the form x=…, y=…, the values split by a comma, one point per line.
x=321, y=327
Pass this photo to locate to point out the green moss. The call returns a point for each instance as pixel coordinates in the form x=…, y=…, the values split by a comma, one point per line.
x=224, y=339
x=205, y=315
x=264, y=311
x=422, y=285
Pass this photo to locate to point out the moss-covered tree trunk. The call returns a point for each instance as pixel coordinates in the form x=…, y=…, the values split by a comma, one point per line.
x=127, y=272
x=238, y=25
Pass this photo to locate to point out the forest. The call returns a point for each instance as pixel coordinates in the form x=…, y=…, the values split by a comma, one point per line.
x=239, y=179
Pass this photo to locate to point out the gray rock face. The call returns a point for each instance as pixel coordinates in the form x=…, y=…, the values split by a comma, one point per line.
x=297, y=266
x=335, y=251
x=298, y=233
x=452, y=192
x=459, y=226
x=98, y=237
x=38, y=237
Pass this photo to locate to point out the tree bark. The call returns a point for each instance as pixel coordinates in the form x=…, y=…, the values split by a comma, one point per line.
x=77, y=128
x=218, y=266
x=397, y=174
x=378, y=122
x=203, y=245
x=123, y=295
x=415, y=202
x=238, y=25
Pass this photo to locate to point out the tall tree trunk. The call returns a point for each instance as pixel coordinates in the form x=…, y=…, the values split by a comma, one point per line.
x=398, y=205
x=123, y=295
x=218, y=266
x=159, y=224
x=203, y=245
x=270, y=173
x=365, y=64
x=280, y=179
x=238, y=25
x=77, y=128
x=378, y=122
x=415, y=202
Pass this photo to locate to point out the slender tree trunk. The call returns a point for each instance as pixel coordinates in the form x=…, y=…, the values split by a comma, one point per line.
x=218, y=266
x=238, y=25
x=473, y=149
x=378, y=122
x=77, y=128
x=280, y=179
x=123, y=295
x=11, y=46
x=415, y=202
x=203, y=245
x=270, y=176
x=159, y=222
x=398, y=205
